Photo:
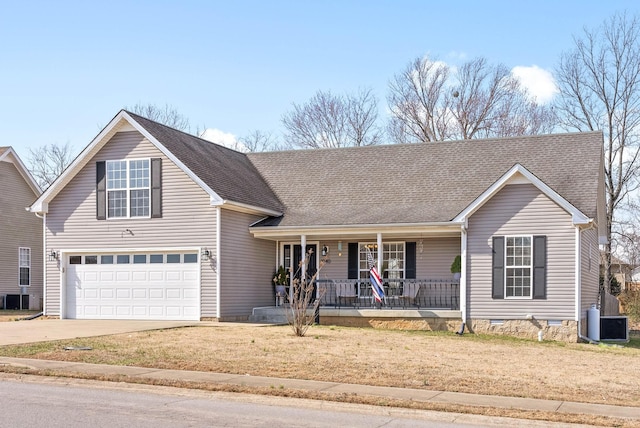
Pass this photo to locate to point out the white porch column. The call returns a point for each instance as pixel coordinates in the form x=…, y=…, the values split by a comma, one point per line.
x=380, y=255
x=303, y=267
x=463, y=272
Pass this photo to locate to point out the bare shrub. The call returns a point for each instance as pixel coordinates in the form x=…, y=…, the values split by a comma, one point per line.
x=631, y=302
x=304, y=302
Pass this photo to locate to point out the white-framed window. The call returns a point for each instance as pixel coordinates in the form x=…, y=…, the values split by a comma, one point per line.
x=128, y=188
x=518, y=266
x=24, y=266
x=393, y=259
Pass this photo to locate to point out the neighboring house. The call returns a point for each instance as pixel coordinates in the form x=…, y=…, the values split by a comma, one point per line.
x=620, y=270
x=20, y=235
x=152, y=223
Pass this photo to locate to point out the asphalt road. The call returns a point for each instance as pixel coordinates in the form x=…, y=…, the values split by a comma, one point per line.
x=53, y=402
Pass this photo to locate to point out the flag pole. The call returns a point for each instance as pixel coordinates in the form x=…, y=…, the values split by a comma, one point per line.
x=377, y=287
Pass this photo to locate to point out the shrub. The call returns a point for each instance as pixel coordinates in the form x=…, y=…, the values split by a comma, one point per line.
x=631, y=302
x=615, y=285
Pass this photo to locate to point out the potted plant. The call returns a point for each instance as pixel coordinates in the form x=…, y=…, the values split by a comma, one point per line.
x=456, y=267
x=281, y=280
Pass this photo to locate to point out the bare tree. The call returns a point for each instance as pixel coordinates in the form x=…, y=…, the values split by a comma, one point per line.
x=599, y=83
x=259, y=141
x=46, y=163
x=419, y=103
x=362, y=117
x=166, y=115
x=328, y=120
x=304, y=300
x=429, y=101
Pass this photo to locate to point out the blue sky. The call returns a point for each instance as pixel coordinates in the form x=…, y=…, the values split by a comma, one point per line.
x=67, y=67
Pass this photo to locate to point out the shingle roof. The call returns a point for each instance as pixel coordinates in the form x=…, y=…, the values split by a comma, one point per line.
x=416, y=183
x=2, y=150
x=227, y=172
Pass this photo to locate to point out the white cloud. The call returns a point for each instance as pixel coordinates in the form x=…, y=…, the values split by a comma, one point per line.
x=457, y=56
x=538, y=81
x=224, y=139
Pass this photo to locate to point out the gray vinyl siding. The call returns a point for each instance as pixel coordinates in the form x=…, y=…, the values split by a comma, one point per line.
x=436, y=258
x=590, y=272
x=338, y=267
x=18, y=228
x=433, y=263
x=188, y=219
x=247, y=266
x=521, y=209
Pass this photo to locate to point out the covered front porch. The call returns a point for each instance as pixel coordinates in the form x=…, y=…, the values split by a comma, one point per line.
x=417, y=304
x=414, y=262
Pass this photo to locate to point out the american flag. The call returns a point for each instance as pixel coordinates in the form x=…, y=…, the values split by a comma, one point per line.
x=376, y=282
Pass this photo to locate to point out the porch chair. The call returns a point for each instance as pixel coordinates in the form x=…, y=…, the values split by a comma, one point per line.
x=346, y=293
x=409, y=294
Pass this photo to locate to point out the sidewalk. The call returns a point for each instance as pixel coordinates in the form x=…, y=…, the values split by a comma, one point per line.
x=331, y=387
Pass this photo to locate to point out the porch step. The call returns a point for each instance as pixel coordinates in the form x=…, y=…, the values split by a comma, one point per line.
x=268, y=315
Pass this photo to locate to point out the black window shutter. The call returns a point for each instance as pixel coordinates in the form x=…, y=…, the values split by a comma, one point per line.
x=101, y=191
x=156, y=188
x=410, y=263
x=497, y=276
x=539, y=267
x=353, y=261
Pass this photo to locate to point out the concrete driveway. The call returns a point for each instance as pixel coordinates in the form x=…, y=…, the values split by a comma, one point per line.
x=41, y=330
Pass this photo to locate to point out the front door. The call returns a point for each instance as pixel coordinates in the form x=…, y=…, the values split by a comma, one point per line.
x=312, y=267
x=292, y=256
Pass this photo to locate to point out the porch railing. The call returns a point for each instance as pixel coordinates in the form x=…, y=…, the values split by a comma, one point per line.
x=399, y=293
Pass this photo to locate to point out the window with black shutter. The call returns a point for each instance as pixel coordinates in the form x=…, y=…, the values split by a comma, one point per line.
x=519, y=267
x=129, y=189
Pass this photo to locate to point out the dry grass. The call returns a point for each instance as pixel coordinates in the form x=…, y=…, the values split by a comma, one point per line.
x=13, y=315
x=438, y=361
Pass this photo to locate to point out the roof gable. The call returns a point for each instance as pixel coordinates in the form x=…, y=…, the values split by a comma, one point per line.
x=7, y=154
x=226, y=175
x=517, y=174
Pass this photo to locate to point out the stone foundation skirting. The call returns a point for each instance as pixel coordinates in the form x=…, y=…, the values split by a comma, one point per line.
x=562, y=331
x=558, y=330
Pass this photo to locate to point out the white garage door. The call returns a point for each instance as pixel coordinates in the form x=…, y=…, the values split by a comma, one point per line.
x=150, y=286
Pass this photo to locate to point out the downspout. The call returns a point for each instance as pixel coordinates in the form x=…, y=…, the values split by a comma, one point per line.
x=463, y=276
x=218, y=252
x=578, y=279
x=43, y=217
x=44, y=262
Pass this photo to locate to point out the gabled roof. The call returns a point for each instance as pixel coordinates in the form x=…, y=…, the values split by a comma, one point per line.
x=8, y=154
x=433, y=183
x=424, y=183
x=226, y=175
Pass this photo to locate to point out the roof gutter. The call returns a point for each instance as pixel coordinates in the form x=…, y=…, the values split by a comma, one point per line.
x=355, y=229
x=246, y=208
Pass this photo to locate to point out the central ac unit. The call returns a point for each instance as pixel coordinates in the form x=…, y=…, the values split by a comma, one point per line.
x=614, y=328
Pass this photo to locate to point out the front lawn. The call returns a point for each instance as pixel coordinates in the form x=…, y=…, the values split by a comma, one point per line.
x=492, y=365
